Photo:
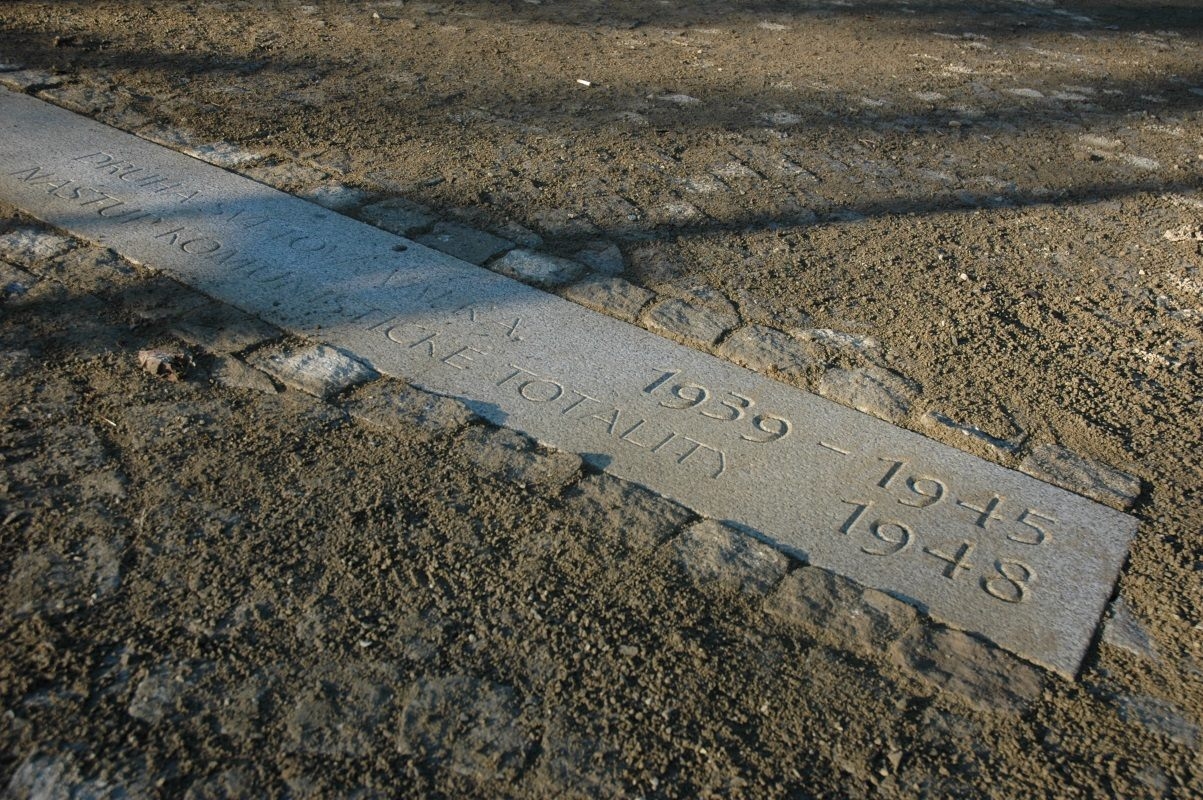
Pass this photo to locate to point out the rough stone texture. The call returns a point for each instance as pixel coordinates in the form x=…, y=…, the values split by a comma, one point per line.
x=391, y=404
x=757, y=309
x=220, y=328
x=515, y=458
x=602, y=256
x=538, y=268
x=562, y=222
x=320, y=370
x=47, y=581
x=840, y=343
x=676, y=213
x=14, y=281
x=768, y=350
x=93, y=270
x=711, y=551
x=468, y=726
x=942, y=423
x=161, y=298
x=340, y=708
x=123, y=115
x=1056, y=464
x=235, y=374
x=689, y=321
x=734, y=171
x=26, y=246
x=22, y=80
x=856, y=618
x=14, y=363
x=576, y=762
x=397, y=215
x=81, y=99
x=461, y=241
x=1123, y=630
x=613, y=296
x=656, y=263
x=220, y=154
x=881, y=392
x=611, y=212
x=1161, y=717
x=58, y=777
x=286, y=175
x=523, y=236
x=988, y=678
x=643, y=519
x=336, y=196
x=155, y=695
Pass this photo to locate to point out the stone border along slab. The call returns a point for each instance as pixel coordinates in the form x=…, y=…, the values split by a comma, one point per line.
x=983, y=548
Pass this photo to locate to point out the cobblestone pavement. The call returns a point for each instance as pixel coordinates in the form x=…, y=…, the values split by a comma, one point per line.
x=258, y=572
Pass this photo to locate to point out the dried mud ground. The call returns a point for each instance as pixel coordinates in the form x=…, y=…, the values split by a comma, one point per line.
x=213, y=591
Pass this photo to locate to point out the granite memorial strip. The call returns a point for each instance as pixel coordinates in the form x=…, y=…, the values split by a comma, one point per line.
x=1025, y=564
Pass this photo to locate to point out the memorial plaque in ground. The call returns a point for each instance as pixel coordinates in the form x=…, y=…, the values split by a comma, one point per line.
x=984, y=548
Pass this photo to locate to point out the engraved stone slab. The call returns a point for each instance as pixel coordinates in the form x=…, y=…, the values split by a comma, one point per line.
x=984, y=548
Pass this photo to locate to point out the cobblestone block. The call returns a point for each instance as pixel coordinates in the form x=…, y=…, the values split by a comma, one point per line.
x=602, y=256
x=766, y=349
x=690, y=321
x=88, y=100
x=336, y=196
x=856, y=618
x=469, y=726
x=319, y=370
x=640, y=518
x=711, y=551
x=233, y=373
x=941, y=423
x=988, y=678
x=538, y=268
x=562, y=222
x=397, y=215
x=287, y=176
x=94, y=270
x=161, y=298
x=1067, y=469
x=1160, y=717
x=463, y=242
x=881, y=392
x=612, y=296
x=23, y=80
x=220, y=328
x=390, y=404
x=221, y=154
x=520, y=235
x=26, y=245
x=515, y=457
x=840, y=343
x=14, y=281
x=1123, y=630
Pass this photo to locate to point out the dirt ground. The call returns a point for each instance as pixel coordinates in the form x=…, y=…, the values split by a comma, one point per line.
x=221, y=592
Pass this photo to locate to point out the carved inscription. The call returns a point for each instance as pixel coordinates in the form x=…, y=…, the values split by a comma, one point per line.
x=870, y=527
x=880, y=532
x=727, y=406
x=884, y=506
x=622, y=425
